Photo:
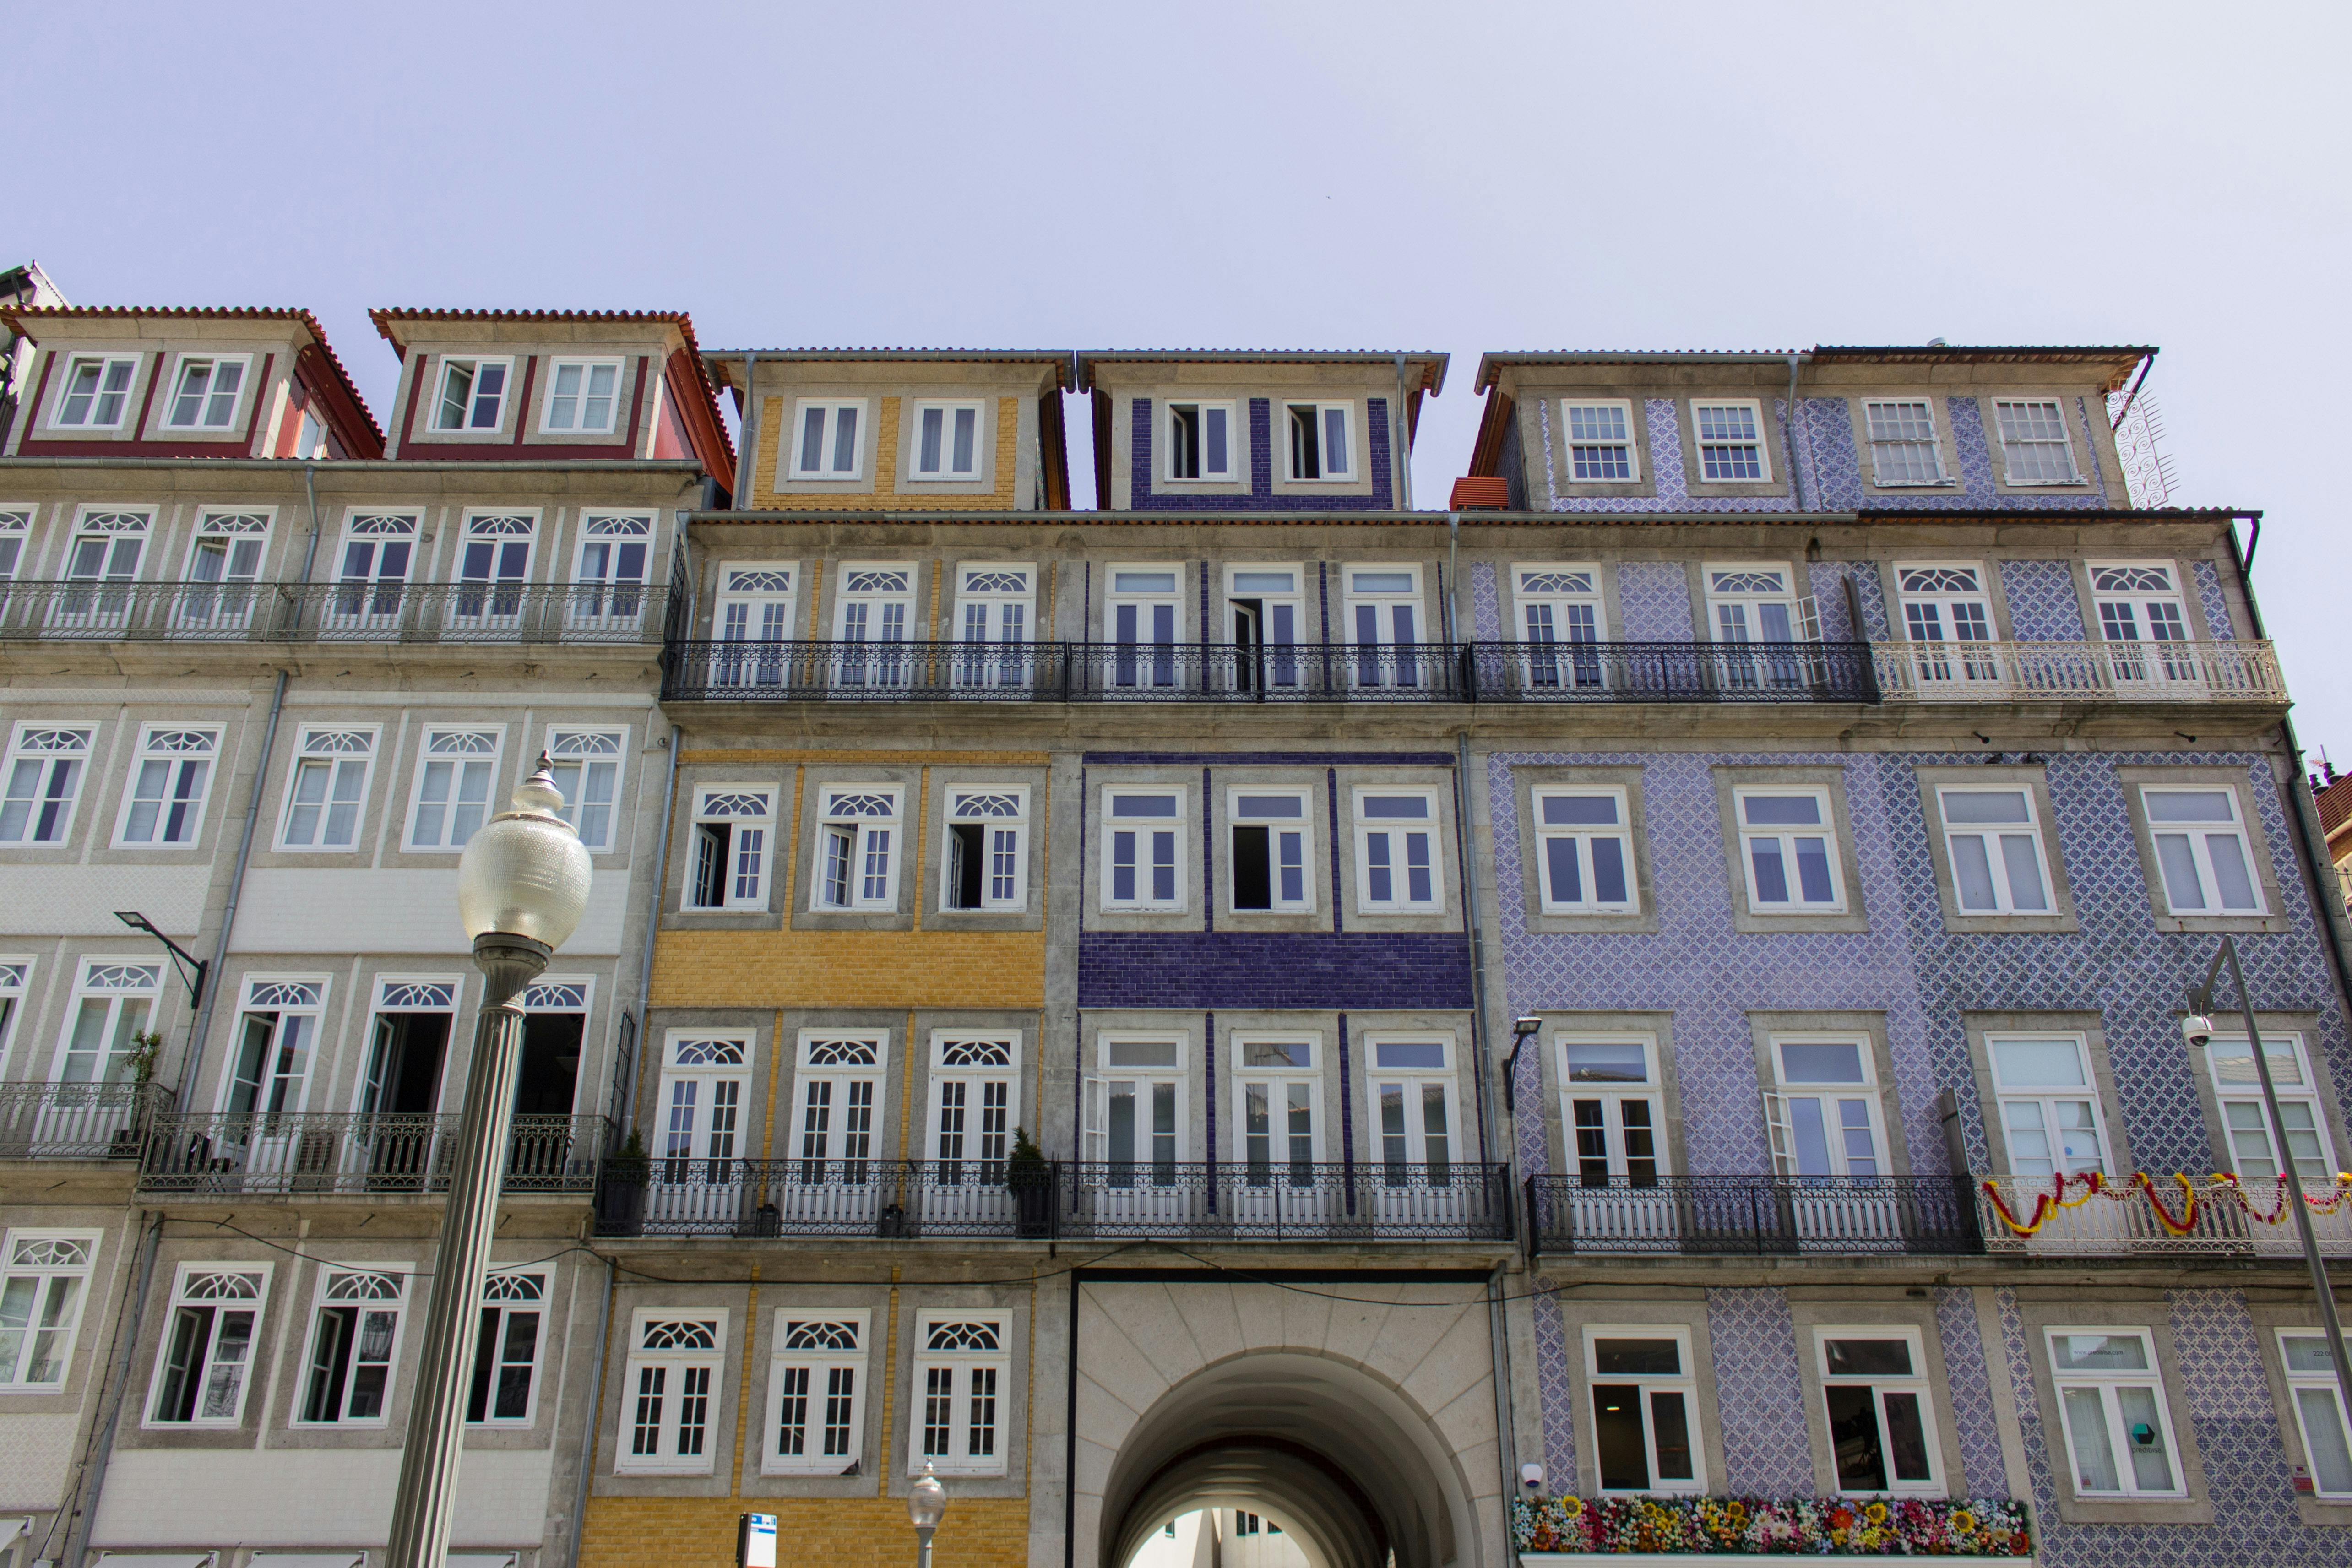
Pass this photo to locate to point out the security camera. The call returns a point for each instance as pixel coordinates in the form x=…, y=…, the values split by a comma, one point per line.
x=1532, y=1474
x=2197, y=1029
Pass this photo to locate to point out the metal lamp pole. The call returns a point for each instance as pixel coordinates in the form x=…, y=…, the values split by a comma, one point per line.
x=522, y=886
x=2198, y=1028
x=927, y=1504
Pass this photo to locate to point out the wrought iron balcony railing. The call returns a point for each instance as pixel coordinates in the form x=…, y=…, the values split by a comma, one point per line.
x=2209, y=1215
x=305, y=1153
x=2239, y=672
x=1366, y=1201
x=77, y=1121
x=1282, y=673
x=1751, y=1215
x=354, y=611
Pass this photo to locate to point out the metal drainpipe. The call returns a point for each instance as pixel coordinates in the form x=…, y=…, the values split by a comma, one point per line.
x=1507, y=1447
x=1403, y=441
x=1464, y=842
x=78, y=1537
x=1452, y=575
x=746, y=470
x=1789, y=438
x=627, y=1108
x=596, y=1414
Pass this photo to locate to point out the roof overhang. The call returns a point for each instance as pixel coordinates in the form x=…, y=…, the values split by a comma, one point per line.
x=725, y=364
x=1427, y=368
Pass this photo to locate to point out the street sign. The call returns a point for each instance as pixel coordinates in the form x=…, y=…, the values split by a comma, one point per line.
x=755, y=1541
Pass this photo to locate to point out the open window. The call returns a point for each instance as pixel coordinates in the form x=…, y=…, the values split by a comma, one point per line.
x=1273, y=861
x=727, y=865
x=987, y=850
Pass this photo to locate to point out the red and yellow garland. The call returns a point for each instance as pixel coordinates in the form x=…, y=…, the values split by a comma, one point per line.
x=2046, y=1204
x=2091, y=1184
x=2327, y=1204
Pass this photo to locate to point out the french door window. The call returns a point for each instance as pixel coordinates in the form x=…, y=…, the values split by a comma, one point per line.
x=668, y=1400
x=378, y=548
x=1612, y=1113
x=701, y=1106
x=202, y=1374
x=609, y=583
x=817, y=1392
x=2111, y=1400
x=506, y=1349
x=1644, y=1410
x=973, y=1082
x=962, y=1374
x=43, y=1280
x=494, y=566
x=1411, y=1083
x=1823, y=1120
x=277, y=1034
x=1278, y=1085
x=1383, y=607
x=839, y=1077
x=587, y=764
x=1559, y=622
x=454, y=780
x=112, y=1006
x=354, y=1345
x=1945, y=605
x=1146, y=617
x=1881, y=1422
x=992, y=625
x=328, y=790
x=1133, y=1116
x=2050, y=1116
x=167, y=804
x=44, y=774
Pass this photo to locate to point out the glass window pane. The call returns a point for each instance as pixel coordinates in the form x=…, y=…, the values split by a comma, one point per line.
x=1906, y=1435
x=1609, y=870
x=1617, y=1437
x=1868, y=1357
x=2144, y=1439
x=1607, y=1062
x=1670, y=1429
x=1403, y=1053
x=2188, y=805
x=2086, y=1432
x=2323, y=1434
x=2024, y=1063
x=1853, y=1438
x=1832, y=1061
x=1576, y=809
x=1972, y=872
x=1780, y=811
x=2183, y=888
x=2231, y=875
x=2125, y=1352
x=1637, y=1357
x=1976, y=806
x=2024, y=869
x=1560, y=862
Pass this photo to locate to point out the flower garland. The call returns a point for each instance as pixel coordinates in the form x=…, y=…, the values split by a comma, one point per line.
x=1857, y=1527
x=2046, y=1204
x=2329, y=1205
x=2187, y=1222
x=2091, y=1184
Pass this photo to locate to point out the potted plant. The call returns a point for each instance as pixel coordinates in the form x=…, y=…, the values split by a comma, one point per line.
x=621, y=1196
x=141, y=1058
x=1030, y=1181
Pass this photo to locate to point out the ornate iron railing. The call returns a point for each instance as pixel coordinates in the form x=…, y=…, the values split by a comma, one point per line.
x=2210, y=1216
x=2239, y=672
x=1751, y=1215
x=1367, y=1201
x=354, y=611
x=887, y=1198
x=295, y=1154
x=77, y=1121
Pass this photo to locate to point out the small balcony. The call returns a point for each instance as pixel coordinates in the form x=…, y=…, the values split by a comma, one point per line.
x=2240, y=672
x=467, y=613
x=313, y=1154
x=79, y=1120
x=2035, y=1216
x=1736, y=1216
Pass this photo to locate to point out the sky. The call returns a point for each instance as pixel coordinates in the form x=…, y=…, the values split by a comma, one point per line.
x=1459, y=177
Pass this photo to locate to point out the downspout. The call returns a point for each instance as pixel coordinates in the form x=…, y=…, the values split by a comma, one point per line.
x=628, y=1106
x=78, y=1537
x=1789, y=437
x=1070, y=1441
x=747, y=472
x=1463, y=843
x=1403, y=442
x=596, y=1414
x=1453, y=574
x=1507, y=1447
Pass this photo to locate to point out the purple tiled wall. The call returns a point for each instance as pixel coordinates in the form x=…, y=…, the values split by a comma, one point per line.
x=1187, y=969
x=1142, y=498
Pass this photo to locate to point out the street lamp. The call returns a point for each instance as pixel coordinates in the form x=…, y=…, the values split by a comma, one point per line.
x=1522, y=1030
x=522, y=886
x=927, y=1504
x=2198, y=1028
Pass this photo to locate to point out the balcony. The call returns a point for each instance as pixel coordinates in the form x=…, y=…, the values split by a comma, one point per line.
x=77, y=1121
x=1552, y=672
x=310, y=1154
x=2242, y=672
x=467, y=613
x=2213, y=1215
x=1751, y=1216
x=914, y=1200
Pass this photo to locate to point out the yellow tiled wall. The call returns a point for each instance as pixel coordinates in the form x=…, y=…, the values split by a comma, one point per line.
x=776, y=424
x=837, y=1532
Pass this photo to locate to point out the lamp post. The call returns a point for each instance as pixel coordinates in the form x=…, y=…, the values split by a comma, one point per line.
x=2199, y=1029
x=1523, y=1030
x=522, y=886
x=927, y=1504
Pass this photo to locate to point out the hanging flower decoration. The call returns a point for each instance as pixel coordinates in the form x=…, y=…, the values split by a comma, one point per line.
x=2176, y=1225
x=2318, y=1203
x=1941, y=1527
x=2048, y=1203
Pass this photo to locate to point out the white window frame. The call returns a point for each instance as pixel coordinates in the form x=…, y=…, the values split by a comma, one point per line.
x=2011, y=444
x=2199, y=835
x=47, y=747
x=581, y=398
x=993, y=623
x=1699, y=443
x=577, y=750
x=190, y=807
x=126, y=983
x=195, y=1286
x=2106, y=1384
x=511, y=1294
x=311, y=752
x=1140, y=868
x=713, y=1058
x=730, y=804
x=2291, y=1077
x=112, y=529
x=239, y=396
x=377, y=532
x=962, y=1370
x=767, y=591
x=2307, y=1388
x=788, y=461
x=496, y=595
x=1005, y=868
x=1351, y=432
x=677, y=1363
x=1559, y=590
x=826, y=1139
x=1400, y=901
x=1412, y=1082
x=977, y=1140
x=1142, y=601
x=1571, y=444
x=1682, y=1383
x=1142, y=1079
x=361, y=1285
x=1618, y=1157
x=1943, y=620
x=611, y=593
x=42, y=1259
x=469, y=422
x=2045, y=1099
x=16, y=977
x=1273, y=1077
x=1276, y=827
x=807, y=1340
x=1237, y=441
x=2143, y=613
x=864, y=847
x=1784, y=836
x=1379, y=600
x=1830, y=1097
x=16, y=533
x=292, y=1010
x=99, y=394
x=233, y=527
x=946, y=409
x=1581, y=837
x=1902, y=437
x=1805, y=623
x=1994, y=839
x=459, y=755
x=1918, y=1384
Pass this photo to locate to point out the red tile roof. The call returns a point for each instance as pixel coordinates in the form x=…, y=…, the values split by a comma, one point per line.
x=2335, y=805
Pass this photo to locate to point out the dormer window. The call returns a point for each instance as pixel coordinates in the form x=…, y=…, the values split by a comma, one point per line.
x=1199, y=440
x=1730, y=441
x=1320, y=447
x=205, y=397
x=827, y=445
x=580, y=396
x=473, y=395
x=947, y=440
x=96, y=390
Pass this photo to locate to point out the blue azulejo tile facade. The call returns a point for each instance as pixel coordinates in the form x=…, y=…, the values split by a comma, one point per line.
x=1143, y=495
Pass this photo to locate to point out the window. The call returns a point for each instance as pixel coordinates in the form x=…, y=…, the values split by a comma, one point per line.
x=2200, y=852
x=45, y=770
x=206, y=395
x=667, y=1405
x=1947, y=604
x=606, y=586
x=15, y=527
x=992, y=623
x=276, y=1038
x=1903, y=448
x=947, y=440
x=168, y=779
x=1559, y=605
x=44, y=1277
x=826, y=444
x=107, y=547
x=2238, y=1088
x=1644, y=1407
x=1995, y=846
x=111, y=1006
x=587, y=771
x=228, y=550
x=94, y=391
x=1144, y=611
x=1131, y=1109
x=874, y=604
x=1824, y=1119
x=701, y=1105
x=1264, y=615
x=2111, y=1401
x=580, y=396
x=728, y=867
x=1601, y=447
x=817, y=1392
x=973, y=1098
x=506, y=1350
x=1411, y=1087
x=473, y=395
x=1143, y=849
x=1271, y=832
x=755, y=605
x=1788, y=843
x=2139, y=602
x=354, y=1345
x=1730, y=441
x=14, y=974
x=377, y=552
x=2318, y=1411
x=2033, y=446
x=1396, y=853
x=1384, y=621
x=962, y=1375
x=1200, y=440
x=454, y=777
x=1610, y=1111
x=2050, y=1116
x=329, y=789
x=839, y=1077
x=1321, y=446
x=1587, y=852
x=208, y=1333
x=1757, y=604
x=1278, y=1085
x=496, y=554
x=1880, y=1423
x=856, y=841
x=987, y=861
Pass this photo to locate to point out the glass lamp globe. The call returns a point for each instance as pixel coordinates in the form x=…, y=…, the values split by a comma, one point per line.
x=526, y=872
x=927, y=1500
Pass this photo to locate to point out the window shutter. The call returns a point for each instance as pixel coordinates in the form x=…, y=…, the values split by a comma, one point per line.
x=1809, y=620
x=1098, y=1121
x=954, y=899
x=1775, y=1133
